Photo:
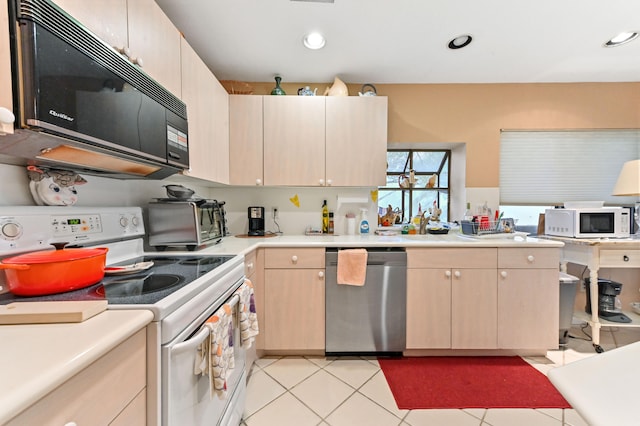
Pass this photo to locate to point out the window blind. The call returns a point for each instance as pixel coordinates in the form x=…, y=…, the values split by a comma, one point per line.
x=551, y=167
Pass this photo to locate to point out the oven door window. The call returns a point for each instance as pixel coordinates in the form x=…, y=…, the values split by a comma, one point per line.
x=596, y=223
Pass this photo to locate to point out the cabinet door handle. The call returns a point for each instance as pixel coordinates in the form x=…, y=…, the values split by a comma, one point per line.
x=71, y=424
x=294, y=259
x=329, y=182
x=258, y=181
x=447, y=274
x=321, y=182
x=6, y=121
x=530, y=258
x=625, y=258
x=250, y=266
x=124, y=50
x=457, y=274
x=6, y=116
x=321, y=274
x=138, y=62
x=503, y=274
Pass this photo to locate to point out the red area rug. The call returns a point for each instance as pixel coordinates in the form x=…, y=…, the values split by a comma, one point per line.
x=469, y=382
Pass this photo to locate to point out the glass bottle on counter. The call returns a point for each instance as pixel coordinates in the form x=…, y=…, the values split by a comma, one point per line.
x=331, y=225
x=325, y=218
x=468, y=214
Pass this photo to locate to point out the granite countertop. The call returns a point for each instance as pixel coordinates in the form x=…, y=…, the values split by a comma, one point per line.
x=38, y=358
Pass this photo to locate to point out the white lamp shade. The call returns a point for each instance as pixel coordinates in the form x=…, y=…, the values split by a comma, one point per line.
x=629, y=179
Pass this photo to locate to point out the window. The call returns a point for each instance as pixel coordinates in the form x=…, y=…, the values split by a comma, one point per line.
x=542, y=169
x=431, y=169
x=551, y=167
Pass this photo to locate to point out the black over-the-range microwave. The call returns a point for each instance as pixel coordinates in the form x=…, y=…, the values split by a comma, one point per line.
x=79, y=103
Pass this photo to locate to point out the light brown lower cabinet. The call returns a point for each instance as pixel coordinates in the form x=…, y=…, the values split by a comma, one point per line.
x=112, y=389
x=482, y=298
x=528, y=298
x=474, y=309
x=294, y=311
x=451, y=299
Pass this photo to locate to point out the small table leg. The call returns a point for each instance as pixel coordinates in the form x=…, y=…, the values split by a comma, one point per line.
x=595, y=321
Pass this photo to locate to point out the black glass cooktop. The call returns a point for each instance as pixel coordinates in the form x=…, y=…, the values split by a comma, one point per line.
x=168, y=274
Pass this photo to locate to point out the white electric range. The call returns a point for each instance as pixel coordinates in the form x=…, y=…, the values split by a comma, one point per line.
x=182, y=289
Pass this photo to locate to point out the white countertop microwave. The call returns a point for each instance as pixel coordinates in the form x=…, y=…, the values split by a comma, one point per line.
x=602, y=222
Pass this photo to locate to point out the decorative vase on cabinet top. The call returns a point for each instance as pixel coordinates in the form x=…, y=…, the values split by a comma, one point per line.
x=278, y=90
x=337, y=89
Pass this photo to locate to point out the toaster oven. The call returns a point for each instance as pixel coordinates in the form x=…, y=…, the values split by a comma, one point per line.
x=189, y=223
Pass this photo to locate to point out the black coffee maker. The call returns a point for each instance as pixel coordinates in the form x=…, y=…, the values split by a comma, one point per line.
x=608, y=292
x=256, y=221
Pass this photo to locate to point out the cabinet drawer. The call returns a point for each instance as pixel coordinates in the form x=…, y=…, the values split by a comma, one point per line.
x=135, y=413
x=98, y=394
x=294, y=258
x=528, y=258
x=620, y=258
x=462, y=258
x=250, y=264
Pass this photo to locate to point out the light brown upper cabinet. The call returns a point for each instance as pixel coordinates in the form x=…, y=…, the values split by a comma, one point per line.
x=356, y=141
x=137, y=28
x=245, y=140
x=308, y=141
x=208, y=114
x=294, y=140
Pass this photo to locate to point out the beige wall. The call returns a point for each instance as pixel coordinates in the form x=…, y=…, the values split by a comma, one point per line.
x=475, y=113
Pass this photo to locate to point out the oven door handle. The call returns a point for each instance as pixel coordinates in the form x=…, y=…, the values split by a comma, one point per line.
x=191, y=344
x=195, y=341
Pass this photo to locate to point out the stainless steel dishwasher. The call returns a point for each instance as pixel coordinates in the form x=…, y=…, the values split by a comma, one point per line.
x=368, y=319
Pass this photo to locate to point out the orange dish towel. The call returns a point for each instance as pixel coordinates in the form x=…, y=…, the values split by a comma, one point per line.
x=352, y=266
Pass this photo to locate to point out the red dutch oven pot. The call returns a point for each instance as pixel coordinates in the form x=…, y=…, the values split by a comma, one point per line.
x=48, y=272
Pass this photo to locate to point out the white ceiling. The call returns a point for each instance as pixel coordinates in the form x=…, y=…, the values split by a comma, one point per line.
x=405, y=41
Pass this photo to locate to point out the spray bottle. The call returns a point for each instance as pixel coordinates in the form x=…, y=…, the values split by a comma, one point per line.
x=364, y=223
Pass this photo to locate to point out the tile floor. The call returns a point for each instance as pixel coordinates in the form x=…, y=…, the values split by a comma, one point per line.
x=343, y=391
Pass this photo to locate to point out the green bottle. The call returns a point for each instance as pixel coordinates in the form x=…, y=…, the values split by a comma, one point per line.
x=278, y=90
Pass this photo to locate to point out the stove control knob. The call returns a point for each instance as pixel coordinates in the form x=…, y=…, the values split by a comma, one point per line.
x=135, y=221
x=11, y=230
x=124, y=222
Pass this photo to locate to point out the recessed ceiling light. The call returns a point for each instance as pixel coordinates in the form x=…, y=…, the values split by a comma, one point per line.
x=460, y=42
x=314, y=41
x=622, y=38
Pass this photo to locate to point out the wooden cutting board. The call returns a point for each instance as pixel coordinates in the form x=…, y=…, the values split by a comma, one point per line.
x=50, y=312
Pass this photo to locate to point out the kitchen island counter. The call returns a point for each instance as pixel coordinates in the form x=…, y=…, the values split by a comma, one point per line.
x=38, y=358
